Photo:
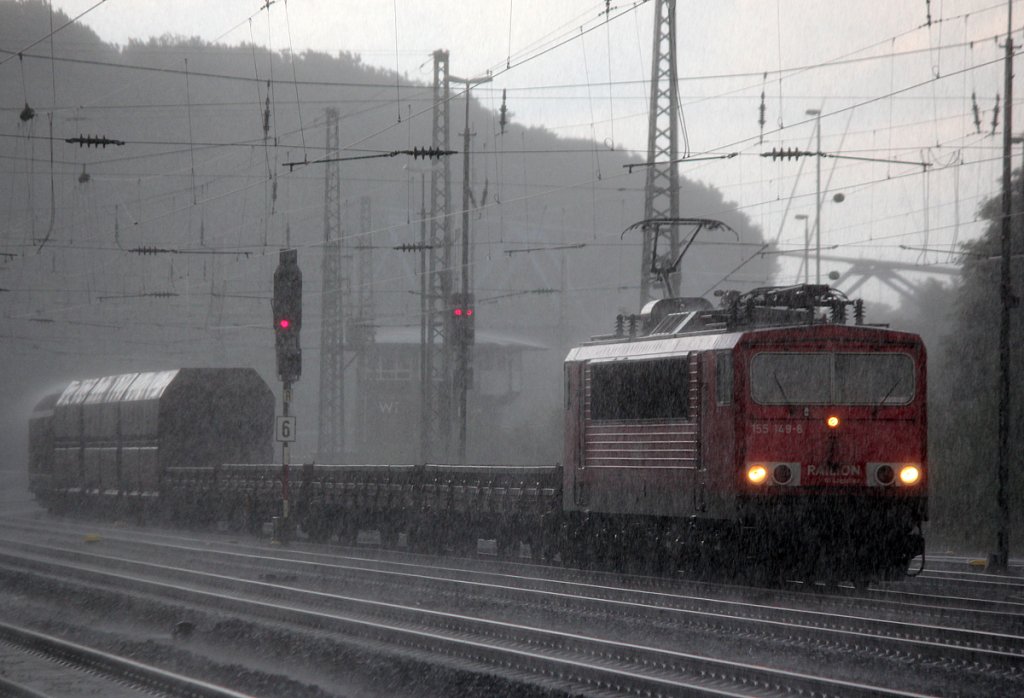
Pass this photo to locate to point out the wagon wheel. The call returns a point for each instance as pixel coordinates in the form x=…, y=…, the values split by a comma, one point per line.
x=348, y=532
x=465, y=544
x=316, y=525
x=389, y=534
x=238, y=516
x=424, y=537
x=508, y=538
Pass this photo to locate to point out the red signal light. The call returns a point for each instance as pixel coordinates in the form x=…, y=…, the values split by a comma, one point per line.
x=284, y=324
x=457, y=312
x=469, y=311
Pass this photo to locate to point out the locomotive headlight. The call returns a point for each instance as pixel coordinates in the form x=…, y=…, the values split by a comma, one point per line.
x=782, y=473
x=910, y=474
x=832, y=422
x=757, y=473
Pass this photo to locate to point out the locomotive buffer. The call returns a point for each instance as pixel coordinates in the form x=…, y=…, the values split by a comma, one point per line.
x=287, y=311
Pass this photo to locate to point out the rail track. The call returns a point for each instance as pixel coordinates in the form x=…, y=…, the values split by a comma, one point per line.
x=36, y=665
x=559, y=629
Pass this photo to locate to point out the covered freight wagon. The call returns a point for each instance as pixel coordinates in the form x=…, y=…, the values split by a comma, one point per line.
x=40, y=446
x=118, y=436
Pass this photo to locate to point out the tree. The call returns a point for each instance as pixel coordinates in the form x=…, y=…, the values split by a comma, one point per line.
x=964, y=404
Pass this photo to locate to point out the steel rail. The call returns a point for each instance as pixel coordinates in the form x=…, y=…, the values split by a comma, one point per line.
x=891, y=636
x=581, y=660
x=118, y=533
x=113, y=666
x=12, y=689
x=978, y=578
x=933, y=603
x=908, y=638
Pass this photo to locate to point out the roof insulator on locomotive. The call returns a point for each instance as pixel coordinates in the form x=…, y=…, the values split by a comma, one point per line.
x=838, y=312
x=768, y=306
x=775, y=306
x=858, y=311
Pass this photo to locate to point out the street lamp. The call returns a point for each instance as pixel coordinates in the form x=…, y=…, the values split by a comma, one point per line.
x=817, y=200
x=807, y=245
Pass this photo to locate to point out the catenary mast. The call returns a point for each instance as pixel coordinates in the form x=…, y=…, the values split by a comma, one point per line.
x=331, y=444
x=661, y=190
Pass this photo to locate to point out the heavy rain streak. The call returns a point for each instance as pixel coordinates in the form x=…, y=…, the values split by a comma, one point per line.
x=590, y=348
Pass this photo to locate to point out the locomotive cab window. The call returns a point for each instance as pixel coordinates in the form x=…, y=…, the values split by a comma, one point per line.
x=790, y=379
x=639, y=390
x=837, y=379
x=874, y=379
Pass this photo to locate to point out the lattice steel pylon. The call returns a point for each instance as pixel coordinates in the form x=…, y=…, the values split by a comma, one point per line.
x=362, y=273
x=361, y=326
x=436, y=374
x=331, y=442
x=661, y=190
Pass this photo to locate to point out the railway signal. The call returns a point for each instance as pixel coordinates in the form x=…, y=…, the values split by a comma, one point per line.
x=463, y=319
x=287, y=310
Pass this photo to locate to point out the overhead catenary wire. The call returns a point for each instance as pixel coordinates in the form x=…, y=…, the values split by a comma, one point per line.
x=398, y=79
x=580, y=151
x=546, y=192
x=862, y=103
x=838, y=62
x=191, y=143
x=295, y=77
x=510, y=52
x=51, y=33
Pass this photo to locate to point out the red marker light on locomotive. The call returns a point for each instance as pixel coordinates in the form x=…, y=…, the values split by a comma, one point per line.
x=832, y=422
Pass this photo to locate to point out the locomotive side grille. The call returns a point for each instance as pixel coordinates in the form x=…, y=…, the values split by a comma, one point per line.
x=651, y=444
x=645, y=443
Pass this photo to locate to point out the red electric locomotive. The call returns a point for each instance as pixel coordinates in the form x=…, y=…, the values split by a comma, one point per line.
x=766, y=435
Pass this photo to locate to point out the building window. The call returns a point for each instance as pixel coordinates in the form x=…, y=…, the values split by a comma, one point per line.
x=390, y=368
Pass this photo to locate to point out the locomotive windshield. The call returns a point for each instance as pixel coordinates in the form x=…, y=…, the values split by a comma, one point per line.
x=832, y=379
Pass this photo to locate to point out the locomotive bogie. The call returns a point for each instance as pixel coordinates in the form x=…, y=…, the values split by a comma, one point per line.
x=833, y=537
